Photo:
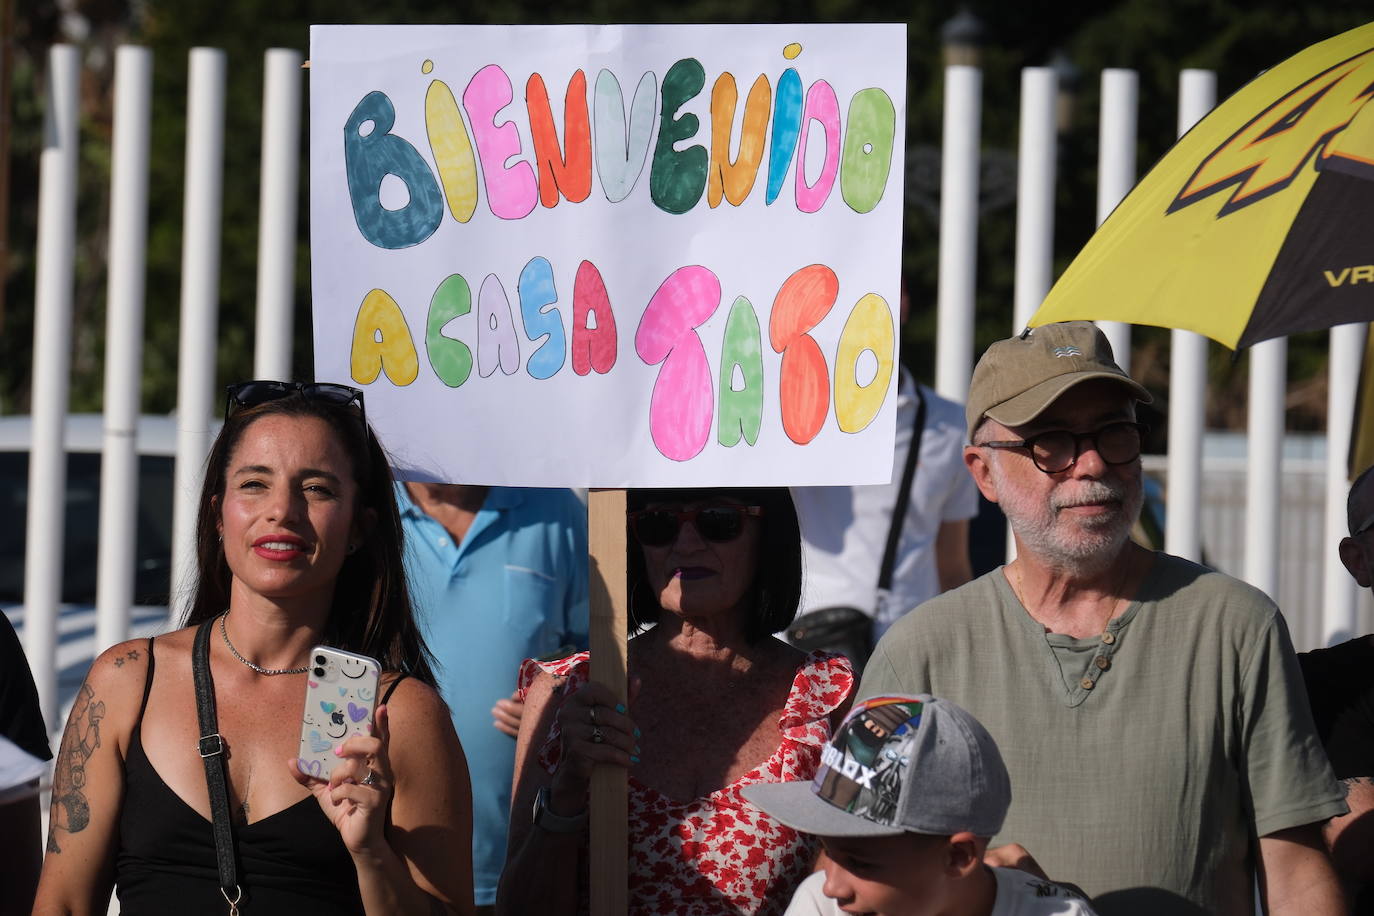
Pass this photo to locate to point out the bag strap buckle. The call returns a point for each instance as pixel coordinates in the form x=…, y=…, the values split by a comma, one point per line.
x=210, y=745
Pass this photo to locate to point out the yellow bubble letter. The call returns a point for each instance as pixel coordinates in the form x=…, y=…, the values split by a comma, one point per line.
x=869, y=327
x=382, y=343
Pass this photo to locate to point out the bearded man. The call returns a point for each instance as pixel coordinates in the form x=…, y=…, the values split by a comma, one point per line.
x=1150, y=710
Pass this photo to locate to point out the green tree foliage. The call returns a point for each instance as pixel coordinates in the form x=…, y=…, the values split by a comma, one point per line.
x=1154, y=37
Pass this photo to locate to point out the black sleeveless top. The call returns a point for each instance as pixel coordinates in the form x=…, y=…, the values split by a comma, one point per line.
x=292, y=862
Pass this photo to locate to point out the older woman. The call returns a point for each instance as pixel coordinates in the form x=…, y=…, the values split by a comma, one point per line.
x=298, y=543
x=718, y=703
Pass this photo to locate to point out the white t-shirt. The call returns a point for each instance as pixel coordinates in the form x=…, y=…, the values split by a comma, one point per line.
x=1018, y=894
x=845, y=529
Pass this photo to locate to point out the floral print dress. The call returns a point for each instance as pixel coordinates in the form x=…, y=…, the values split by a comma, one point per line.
x=718, y=855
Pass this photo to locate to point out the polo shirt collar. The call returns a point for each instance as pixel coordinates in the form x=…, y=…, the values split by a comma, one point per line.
x=498, y=499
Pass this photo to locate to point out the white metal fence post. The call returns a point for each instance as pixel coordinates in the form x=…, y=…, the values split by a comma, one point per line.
x=281, y=130
x=958, y=231
x=124, y=345
x=1339, y=591
x=1188, y=377
x=1116, y=174
x=1264, y=453
x=1035, y=177
x=199, y=304
x=52, y=336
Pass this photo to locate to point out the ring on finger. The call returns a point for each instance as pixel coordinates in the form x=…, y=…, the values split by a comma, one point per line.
x=597, y=737
x=371, y=778
x=591, y=711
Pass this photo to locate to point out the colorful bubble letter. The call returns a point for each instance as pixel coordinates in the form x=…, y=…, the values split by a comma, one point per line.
x=680, y=406
x=823, y=108
x=735, y=178
x=381, y=342
x=511, y=191
x=452, y=149
x=870, y=129
x=372, y=152
x=621, y=149
x=537, y=293
x=741, y=409
x=677, y=177
x=804, y=381
x=594, y=337
x=497, y=345
x=567, y=173
x=450, y=358
x=870, y=329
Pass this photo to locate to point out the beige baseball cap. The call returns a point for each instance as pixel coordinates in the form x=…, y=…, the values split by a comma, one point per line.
x=1018, y=378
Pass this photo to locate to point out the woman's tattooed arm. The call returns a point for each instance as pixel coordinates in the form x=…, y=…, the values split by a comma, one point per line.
x=71, y=812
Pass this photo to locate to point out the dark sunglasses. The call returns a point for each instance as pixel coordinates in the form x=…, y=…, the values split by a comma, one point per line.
x=251, y=394
x=719, y=524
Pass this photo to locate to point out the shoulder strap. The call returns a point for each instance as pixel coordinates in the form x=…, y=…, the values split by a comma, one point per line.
x=147, y=682
x=392, y=688
x=913, y=454
x=211, y=749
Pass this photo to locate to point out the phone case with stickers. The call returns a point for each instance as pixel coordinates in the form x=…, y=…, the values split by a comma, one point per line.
x=340, y=694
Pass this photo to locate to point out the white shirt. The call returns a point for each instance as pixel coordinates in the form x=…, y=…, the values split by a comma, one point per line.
x=845, y=529
x=1018, y=894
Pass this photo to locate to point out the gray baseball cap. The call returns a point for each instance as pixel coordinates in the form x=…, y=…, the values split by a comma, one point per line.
x=898, y=764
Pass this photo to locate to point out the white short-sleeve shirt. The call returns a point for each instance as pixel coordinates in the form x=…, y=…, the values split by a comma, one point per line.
x=845, y=529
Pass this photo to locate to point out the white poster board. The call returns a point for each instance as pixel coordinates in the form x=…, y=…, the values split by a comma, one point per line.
x=612, y=256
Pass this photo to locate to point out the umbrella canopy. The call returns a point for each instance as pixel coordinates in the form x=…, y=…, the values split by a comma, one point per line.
x=1258, y=223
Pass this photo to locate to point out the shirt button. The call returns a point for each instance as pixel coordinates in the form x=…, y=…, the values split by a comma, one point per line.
x=1102, y=662
x=1086, y=683
x=443, y=542
x=1109, y=638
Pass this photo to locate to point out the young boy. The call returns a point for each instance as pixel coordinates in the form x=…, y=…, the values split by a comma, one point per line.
x=909, y=792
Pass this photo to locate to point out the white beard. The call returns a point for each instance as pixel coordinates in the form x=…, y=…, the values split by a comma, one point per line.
x=1084, y=546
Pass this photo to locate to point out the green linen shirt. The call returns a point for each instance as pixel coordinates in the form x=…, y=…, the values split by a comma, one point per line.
x=1145, y=762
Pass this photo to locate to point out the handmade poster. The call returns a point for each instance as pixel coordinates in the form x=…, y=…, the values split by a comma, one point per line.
x=612, y=255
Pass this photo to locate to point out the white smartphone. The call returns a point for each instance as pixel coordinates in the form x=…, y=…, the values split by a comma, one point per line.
x=340, y=695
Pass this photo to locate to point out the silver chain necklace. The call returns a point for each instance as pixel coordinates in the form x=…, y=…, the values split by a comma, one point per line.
x=258, y=668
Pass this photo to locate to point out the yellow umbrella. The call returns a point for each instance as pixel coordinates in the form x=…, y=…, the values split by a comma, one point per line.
x=1258, y=223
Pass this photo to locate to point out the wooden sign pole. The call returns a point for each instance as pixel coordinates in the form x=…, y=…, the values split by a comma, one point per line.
x=610, y=812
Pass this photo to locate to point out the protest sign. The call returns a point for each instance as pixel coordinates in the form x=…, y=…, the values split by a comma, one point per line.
x=612, y=255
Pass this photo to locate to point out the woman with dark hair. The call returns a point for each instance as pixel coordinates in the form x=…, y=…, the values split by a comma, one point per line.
x=717, y=703
x=298, y=543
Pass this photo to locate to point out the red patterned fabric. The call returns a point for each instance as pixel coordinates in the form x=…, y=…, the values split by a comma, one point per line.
x=719, y=855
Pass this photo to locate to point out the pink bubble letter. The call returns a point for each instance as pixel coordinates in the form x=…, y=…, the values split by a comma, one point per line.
x=511, y=192
x=680, y=409
x=824, y=108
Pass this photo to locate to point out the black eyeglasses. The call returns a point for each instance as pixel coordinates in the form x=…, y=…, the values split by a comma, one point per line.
x=719, y=524
x=260, y=391
x=1057, y=450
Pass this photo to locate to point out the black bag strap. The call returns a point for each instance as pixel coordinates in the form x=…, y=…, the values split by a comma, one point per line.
x=211, y=749
x=913, y=454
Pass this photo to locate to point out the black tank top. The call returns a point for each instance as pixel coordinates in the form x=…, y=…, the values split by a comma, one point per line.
x=292, y=862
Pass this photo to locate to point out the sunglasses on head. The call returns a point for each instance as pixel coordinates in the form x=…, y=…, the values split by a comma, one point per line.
x=719, y=524
x=251, y=394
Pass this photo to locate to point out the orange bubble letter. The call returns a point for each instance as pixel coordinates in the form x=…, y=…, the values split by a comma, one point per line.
x=568, y=172
x=804, y=379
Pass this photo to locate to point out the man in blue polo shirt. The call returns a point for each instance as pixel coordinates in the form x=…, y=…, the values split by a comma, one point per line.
x=497, y=575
